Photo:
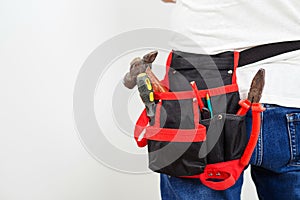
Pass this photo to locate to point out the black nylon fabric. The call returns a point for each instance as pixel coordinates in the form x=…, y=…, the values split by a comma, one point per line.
x=226, y=136
x=175, y=158
x=206, y=71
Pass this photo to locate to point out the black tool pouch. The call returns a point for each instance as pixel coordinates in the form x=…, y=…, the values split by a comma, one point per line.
x=219, y=138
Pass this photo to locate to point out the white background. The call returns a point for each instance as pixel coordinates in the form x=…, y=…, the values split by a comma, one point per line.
x=42, y=47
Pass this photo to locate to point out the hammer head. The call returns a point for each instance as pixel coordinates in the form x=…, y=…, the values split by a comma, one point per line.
x=150, y=57
x=138, y=66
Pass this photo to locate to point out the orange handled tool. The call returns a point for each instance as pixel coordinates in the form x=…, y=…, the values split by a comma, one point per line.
x=156, y=84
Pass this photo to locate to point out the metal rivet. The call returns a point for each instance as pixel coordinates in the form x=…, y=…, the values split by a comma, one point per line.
x=174, y=72
x=230, y=72
x=218, y=174
x=194, y=99
x=210, y=174
x=220, y=116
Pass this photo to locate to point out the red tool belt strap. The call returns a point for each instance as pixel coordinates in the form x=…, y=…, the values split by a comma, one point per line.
x=167, y=134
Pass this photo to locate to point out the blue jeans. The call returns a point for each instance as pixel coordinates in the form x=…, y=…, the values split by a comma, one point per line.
x=275, y=163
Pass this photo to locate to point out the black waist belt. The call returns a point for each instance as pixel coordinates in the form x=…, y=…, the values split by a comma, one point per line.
x=225, y=60
x=265, y=51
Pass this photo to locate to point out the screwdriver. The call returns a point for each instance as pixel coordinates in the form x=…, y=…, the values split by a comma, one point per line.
x=146, y=93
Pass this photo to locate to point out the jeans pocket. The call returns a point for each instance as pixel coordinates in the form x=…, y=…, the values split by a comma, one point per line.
x=293, y=120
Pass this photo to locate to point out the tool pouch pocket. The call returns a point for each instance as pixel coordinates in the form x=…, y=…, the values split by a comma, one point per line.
x=175, y=151
x=226, y=137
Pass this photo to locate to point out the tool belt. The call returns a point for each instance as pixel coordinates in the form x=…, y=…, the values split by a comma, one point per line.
x=182, y=141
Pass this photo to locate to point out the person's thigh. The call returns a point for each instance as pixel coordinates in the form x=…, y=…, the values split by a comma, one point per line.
x=274, y=186
x=276, y=161
x=173, y=188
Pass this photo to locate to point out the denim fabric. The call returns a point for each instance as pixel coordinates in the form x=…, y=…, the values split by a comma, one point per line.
x=192, y=189
x=275, y=163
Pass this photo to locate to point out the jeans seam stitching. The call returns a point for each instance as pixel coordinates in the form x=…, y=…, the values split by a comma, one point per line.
x=290, y=139
x=291, y=133
x=260, y=144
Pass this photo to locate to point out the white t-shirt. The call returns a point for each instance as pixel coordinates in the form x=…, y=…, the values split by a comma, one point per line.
x=214, y=26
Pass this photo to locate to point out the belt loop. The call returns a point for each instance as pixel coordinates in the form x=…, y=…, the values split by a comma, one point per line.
x=236, y=58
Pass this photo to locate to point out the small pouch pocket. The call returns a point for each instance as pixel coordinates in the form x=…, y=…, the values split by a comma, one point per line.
x=226, y=137
x=175, y=151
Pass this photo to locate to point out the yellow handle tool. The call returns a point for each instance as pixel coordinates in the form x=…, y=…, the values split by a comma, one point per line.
x=146, y=93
